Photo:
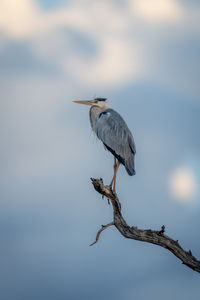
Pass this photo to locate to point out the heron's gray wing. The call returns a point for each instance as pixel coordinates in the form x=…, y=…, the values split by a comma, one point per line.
x=112, y=130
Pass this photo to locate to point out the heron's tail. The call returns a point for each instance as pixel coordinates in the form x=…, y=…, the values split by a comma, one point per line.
x=130, y=165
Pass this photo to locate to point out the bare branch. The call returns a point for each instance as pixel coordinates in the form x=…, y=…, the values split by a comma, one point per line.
x=103, y=227
x=144, y=235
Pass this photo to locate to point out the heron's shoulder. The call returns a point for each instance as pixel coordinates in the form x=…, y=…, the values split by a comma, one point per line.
x=113, y=117
x=105, y=112
x=113, y=114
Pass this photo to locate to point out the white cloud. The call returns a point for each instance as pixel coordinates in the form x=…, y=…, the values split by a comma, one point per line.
x=126, y=47
x=19, y=18
x=157, y=10
x=183, y=184
x=22, y=19
x=101, y=22
x=115, y=64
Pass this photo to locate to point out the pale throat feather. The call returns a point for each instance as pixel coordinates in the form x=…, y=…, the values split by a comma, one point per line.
x=95, y=110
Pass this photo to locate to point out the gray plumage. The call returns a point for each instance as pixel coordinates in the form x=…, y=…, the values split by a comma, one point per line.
x=113, y=131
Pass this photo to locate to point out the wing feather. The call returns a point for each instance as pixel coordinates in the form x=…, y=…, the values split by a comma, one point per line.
x=113, y=131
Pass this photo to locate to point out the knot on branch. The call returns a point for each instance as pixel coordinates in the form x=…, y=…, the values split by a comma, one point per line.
x=192, y=256
x=162, y=231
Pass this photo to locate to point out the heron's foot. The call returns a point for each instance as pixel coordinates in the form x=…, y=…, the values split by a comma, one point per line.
x=111, y=185
x=112, y=188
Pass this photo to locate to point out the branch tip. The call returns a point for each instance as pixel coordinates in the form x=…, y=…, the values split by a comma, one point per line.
x=103, y=227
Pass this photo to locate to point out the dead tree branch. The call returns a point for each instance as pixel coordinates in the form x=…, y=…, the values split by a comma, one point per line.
x=144, y=235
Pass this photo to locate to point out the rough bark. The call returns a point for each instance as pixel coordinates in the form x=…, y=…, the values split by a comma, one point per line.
x=145, y=235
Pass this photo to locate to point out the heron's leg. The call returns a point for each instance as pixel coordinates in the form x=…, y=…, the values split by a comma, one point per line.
x=115, y=165
x=115, y=175
x=115, y=162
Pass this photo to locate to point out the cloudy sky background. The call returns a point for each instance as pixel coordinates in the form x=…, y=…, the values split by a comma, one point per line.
x=144, y=55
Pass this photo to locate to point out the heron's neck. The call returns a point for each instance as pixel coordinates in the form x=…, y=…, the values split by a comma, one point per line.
x=94, y=112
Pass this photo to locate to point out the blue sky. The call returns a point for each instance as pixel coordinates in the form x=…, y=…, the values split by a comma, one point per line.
x=144, y=57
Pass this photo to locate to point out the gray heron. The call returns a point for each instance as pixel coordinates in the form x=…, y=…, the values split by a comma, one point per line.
x=114, y=133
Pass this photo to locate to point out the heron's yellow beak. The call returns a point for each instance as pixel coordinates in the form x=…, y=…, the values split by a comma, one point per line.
x=84, y=102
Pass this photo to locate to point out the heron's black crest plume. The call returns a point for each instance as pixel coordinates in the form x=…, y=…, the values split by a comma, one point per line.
x=100, y=99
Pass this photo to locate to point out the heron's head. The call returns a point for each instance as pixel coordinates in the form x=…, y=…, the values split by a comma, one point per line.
x=101, y=102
